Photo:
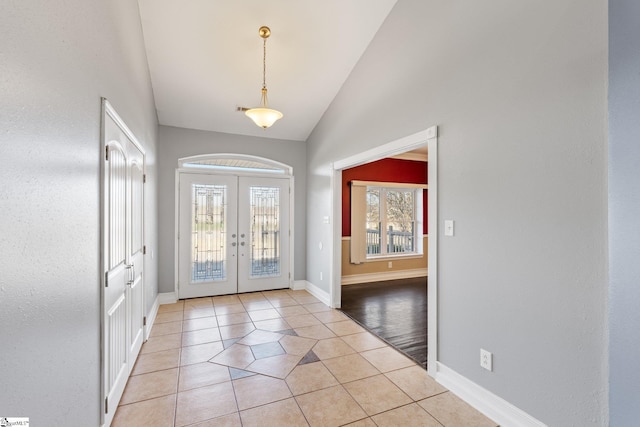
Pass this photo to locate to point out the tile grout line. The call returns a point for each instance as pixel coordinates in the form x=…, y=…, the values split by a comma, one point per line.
x=235, y=395
x=294, y=396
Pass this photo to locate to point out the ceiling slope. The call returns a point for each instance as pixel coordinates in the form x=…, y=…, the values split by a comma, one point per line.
x=205, y=59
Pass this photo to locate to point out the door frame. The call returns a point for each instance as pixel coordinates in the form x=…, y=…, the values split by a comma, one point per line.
x=287, y=172
x=428, y=137
x=107, y=110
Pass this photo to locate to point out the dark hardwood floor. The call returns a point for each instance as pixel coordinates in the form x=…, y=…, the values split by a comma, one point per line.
x=395, y=310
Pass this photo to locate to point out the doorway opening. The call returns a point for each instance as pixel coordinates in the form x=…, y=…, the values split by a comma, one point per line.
x=384, y=249
x=426, y=138
x=233, y=225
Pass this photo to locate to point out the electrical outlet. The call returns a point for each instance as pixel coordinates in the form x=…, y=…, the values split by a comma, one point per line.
x=390, y=264
x=321, y=276
x=486, y=360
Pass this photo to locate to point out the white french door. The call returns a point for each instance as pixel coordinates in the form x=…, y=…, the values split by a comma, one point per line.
x=207, y=235
x=233, y=234
x=123, y=258
x=263, y=218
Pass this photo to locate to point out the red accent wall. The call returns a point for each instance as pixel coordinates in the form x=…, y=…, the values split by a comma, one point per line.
x=384, y=170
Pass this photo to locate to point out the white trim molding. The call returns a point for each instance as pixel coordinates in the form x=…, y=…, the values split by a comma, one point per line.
x=161, y=298
x=299, y=285
x=151, y=317
x=432, y=245
x=321, y=294
x=401, y=145
x=491, y=405
x=167, y=298
x=386, y=275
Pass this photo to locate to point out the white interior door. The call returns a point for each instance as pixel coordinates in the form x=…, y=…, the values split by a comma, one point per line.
x=233, y=234
x=123, y=251
x=207, y=236
x=263, y=218
x=135, y=286
x=116, y=278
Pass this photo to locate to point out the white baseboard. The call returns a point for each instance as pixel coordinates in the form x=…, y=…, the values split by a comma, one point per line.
x=161, y=298
x=494, y=407
x=151, y=318
x=322, y=295
x=387, y=275
x=299, y=285
x=167, y=298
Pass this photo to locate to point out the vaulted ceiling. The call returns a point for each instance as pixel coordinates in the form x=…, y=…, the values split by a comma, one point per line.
x=205, y=59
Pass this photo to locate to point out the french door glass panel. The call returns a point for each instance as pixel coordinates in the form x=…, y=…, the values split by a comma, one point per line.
x=208, y=231
x=264, y=232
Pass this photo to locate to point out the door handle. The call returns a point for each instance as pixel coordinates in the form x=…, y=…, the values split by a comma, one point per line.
x=233, y=244
x=132, y=274
x=241, y=243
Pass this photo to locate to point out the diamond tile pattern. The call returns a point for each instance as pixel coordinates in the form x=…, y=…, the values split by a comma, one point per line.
x=277, y=358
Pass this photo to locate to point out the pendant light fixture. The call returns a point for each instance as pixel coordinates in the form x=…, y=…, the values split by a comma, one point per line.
x=264, y=116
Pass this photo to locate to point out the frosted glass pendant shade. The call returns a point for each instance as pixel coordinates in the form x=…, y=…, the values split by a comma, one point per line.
x=263, y=117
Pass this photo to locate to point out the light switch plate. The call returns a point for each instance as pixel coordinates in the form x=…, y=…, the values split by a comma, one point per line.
x=448, y=227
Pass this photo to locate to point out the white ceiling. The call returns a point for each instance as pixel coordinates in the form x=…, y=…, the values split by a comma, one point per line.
x=205, y=59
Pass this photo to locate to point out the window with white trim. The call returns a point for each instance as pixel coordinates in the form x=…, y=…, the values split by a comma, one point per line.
x=386, y=220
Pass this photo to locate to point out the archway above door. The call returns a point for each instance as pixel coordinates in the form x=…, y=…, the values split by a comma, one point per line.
x=235, y=162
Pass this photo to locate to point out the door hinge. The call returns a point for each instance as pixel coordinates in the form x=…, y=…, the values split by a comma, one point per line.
x=289, y=275
x=106, y=405
x=144, y=321
x=144, y=250
x=106, y=279
x=106, y=153
x=144, y=178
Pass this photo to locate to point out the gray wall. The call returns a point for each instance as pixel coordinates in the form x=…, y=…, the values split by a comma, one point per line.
x=518, y=90
x=624, y=212
x=56, y=60
x=176, y=143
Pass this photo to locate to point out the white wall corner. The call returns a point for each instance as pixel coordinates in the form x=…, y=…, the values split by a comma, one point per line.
x=299, y=285
x=321, y=294
x=167, y=298
x=491, y=405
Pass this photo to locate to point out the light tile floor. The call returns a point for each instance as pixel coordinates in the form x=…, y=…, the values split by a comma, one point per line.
x=278, y=358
